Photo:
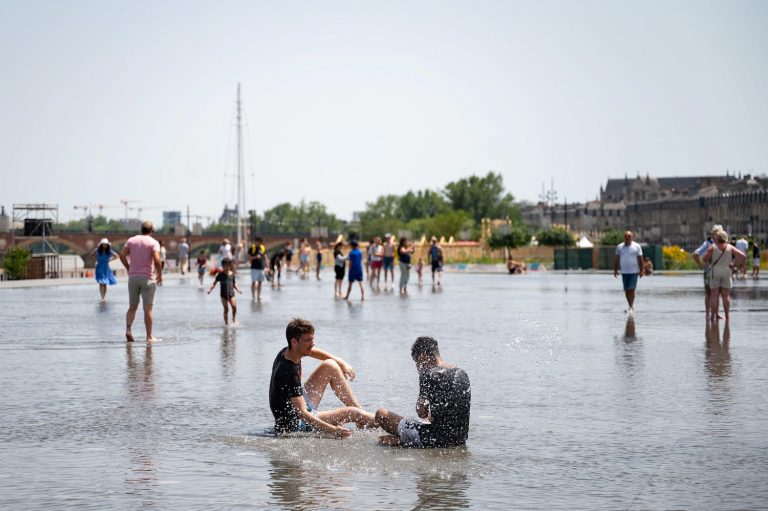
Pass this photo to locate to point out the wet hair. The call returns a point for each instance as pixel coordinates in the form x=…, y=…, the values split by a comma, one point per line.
x=354, y=243
x=403, y=241
x=226, y=261
x=296, y=328
x=424, y=346
x=258, y=238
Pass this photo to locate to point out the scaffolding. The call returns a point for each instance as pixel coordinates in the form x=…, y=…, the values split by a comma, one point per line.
x=38, y=221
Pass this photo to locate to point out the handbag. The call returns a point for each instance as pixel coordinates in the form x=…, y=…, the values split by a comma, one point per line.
x=708, y=270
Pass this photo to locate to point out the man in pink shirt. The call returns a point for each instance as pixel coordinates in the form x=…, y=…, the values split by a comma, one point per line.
x=140, y=256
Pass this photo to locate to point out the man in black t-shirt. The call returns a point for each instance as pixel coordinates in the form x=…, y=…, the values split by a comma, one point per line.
x=443, y=404
x=295, y=406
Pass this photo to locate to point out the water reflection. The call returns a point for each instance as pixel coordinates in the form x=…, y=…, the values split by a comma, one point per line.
x=629, y=329
x=228, y=345
x=630, y=351
x=142, y=478
x=140, y=380
x=717, y=356
x=435, y=492
x=295, y=487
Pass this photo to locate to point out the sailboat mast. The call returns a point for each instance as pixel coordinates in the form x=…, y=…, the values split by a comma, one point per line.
x=240, y=209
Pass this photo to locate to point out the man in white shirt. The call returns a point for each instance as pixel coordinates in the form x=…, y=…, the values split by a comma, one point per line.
x=183, y=255
x=743, y=245
x=629, y=258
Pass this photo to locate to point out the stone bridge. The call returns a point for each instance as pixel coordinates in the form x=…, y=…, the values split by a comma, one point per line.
x=84, y=243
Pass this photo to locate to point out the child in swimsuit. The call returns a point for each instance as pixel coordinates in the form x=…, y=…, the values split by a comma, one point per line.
x=227, y=289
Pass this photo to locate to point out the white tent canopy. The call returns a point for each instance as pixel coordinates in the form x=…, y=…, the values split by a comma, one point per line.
x=584, y=243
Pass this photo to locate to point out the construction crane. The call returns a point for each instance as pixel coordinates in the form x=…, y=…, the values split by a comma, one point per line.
x=125, y=203
x=88, y=215
x=139, y=209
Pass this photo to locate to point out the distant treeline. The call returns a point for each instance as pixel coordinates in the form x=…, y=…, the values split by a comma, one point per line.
x=454, y=210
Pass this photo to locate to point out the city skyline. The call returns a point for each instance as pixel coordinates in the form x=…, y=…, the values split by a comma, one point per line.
x=346, y=102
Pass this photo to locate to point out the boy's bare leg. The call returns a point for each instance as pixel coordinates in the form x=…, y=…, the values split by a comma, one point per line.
x=388, y=421
x=329, y=373
x=361, y=418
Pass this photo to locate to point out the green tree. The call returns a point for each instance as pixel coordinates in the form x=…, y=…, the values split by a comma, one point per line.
x=556, y=237
x=519, y=235
x=289, y=219
x=381, y=216
x=611, y=237
x=482, y=197
x=15, y=262
x=421, y=204
x=223, y=229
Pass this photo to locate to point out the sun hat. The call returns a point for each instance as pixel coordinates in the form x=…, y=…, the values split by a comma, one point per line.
x=716, y=227
x=104, y=241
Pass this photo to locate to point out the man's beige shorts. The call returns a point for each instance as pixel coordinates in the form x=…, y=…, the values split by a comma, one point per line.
x=143, y=287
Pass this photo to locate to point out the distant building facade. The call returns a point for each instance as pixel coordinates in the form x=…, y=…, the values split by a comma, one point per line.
x=671, y=211
x=171, y=218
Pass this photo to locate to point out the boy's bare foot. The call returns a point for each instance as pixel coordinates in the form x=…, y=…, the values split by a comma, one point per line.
x=153, y=339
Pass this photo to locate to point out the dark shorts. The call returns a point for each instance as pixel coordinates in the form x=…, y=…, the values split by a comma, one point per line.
x=339, y=272
x=389, y=263
x=629, y=280
x=408, y=432
x=437, y=266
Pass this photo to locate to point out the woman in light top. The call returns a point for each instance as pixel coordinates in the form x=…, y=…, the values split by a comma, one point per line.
x=720, y=255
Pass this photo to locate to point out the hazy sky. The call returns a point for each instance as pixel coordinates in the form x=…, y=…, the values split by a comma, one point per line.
x=345, y=101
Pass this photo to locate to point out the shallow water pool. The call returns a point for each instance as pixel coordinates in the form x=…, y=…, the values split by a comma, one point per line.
x=573, y=405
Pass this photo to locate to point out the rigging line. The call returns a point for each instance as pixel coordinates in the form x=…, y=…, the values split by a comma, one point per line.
x=249, y=152
x=227, y=162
